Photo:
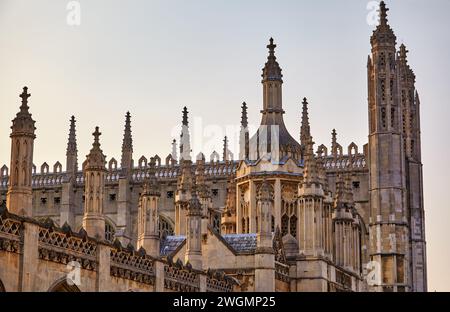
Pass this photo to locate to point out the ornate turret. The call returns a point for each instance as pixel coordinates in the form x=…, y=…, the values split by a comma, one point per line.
x=94, y=189
x=174, y=151
x=19, y=196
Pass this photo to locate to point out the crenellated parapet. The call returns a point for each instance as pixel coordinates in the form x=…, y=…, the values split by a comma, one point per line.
x=339, y=162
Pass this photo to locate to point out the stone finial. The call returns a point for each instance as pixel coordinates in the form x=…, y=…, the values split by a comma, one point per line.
x=185, y=121
x=96, y=159
x=339, y=196
x=72, y=150
x=127, y=138
x=24, y=95
x=174, y=150
x=272, y=70
x=185, y=144
x=310, y=173
x=23, y=123
x=225, y=149
x=72, y=142
x=383, y=13
x=403, y=54
x=334, y=144
x=244, y=117
x=383, y=33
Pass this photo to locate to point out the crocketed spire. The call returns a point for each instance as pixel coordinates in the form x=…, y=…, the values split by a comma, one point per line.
x=72, y=151
x=72, y=142
x=127, y=144
x=127, y=138
x=305, y=131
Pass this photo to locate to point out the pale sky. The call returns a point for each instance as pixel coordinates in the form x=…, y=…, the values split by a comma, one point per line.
x=154, y=57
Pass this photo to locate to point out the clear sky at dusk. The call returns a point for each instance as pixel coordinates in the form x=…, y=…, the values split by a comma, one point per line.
x=154, y=57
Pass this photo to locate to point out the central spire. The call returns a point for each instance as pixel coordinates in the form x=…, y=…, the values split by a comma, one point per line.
x=272, y=138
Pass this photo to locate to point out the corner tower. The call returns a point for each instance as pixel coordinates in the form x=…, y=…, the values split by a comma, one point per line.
x=388, y=225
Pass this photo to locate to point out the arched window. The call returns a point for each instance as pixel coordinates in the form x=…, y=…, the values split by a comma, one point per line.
x=165, y=227
x=110, y=232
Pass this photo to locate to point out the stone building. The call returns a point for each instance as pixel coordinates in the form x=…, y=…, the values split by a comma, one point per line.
x=281, y=218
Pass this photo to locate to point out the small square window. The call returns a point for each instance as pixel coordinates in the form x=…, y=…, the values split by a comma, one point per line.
x=43, y=200
x=215, y=192
x=170, y=194
x=356, y=184
x=112, y=197
x=57, y=200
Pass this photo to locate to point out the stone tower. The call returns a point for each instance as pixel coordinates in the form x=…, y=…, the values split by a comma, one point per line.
x=148, y=216
x=94, y=189
x=19, y=196
x=388, y=224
